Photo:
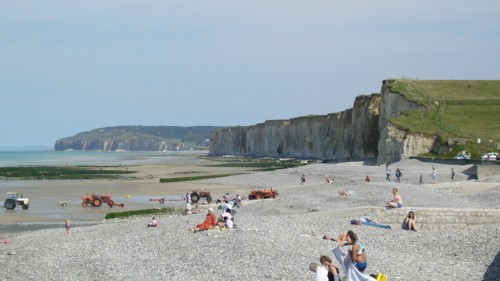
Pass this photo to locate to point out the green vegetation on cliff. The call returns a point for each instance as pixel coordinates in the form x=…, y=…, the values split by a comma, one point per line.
x=455, y=109
x=139, y=138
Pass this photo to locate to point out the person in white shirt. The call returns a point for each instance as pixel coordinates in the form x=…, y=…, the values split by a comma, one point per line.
x=320, y=273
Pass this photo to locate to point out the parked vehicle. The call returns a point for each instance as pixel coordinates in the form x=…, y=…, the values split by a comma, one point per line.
x=96, y=200
x=492, y=156
x=462, y=156
x=197, y=195
x=263, y=194
x=13, y=199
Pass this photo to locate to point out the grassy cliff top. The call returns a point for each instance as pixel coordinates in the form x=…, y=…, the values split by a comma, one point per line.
x=426, y=91
x=455, y=109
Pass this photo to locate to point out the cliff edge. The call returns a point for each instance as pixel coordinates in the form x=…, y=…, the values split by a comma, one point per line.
x=407, y=118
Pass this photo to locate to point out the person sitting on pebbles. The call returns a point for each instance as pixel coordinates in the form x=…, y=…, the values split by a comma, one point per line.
x=397, y=201
x=358, y=253
x=197, y=209
x=333, y=271
x=409, y=223
x=210, y=222
x=153, y=223
x=320, y=273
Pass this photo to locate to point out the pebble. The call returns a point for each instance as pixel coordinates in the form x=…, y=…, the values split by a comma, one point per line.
x=275, y=239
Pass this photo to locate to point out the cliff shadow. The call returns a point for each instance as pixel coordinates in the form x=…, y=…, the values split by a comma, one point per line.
x=493, y=271
x=370, y=162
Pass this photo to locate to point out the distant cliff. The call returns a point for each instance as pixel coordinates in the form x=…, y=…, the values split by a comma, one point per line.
x=350, y=134
x=363, y=132
x=139, y=138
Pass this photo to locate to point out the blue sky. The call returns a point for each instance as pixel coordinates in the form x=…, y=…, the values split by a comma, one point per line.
x=73, y=66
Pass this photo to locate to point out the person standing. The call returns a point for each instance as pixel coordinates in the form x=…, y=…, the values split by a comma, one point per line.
x=387, y=173
x=398, y=175
x=434, y=174
x=452, y=175
x=67, y=225
x=188, y=198
x=303, y=179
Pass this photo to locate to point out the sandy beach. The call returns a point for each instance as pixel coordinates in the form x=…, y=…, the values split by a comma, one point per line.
x=133, y=190
x=274, y=239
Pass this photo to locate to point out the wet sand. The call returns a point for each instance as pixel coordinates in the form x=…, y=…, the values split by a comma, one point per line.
x=45, y=195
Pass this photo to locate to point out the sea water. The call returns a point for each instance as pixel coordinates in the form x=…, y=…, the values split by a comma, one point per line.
x=44, y=207
x=94, y=158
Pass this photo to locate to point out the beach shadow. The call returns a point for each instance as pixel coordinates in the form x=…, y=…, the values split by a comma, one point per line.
x=471, y=173
x=493, y=271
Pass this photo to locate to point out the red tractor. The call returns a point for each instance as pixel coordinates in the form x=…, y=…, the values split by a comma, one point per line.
x=263, y=194
x=96, y=200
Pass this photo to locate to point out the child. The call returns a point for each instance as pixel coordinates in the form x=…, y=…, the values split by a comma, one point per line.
x=153, y=223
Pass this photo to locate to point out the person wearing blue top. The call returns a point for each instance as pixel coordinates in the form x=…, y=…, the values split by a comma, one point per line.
x=358, y=253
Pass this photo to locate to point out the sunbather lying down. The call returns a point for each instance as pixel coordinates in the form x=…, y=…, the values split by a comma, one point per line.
x=344, y=193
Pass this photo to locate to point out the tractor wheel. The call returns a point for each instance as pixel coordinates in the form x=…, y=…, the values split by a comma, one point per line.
x=162, y=200
x=195, y=197
x=111, y=203
x=258, y=195
x=209, y=199
x=97, y=203
x=25, y=207
x=85, y=204
x=10, y=204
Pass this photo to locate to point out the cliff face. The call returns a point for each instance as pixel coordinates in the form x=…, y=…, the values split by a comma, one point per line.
x=394, y=143
x=118, y=143
x=350, y=134
x=138, y=138
x=363, y=132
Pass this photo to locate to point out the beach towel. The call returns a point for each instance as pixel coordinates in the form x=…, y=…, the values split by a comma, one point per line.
x=367, y=221
x=348, y=267
x=376, y=224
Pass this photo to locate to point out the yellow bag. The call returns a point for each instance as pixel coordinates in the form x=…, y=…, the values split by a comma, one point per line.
x=382, y=277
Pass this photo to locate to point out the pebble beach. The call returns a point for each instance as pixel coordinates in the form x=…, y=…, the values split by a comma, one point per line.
x=275, y=239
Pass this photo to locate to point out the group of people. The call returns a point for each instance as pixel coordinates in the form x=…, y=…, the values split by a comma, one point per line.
x=225, y=220
x=397, y=202
x=328, y=271
x=399, y=174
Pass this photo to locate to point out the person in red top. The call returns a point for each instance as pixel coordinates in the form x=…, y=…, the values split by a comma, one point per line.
x=210, y=221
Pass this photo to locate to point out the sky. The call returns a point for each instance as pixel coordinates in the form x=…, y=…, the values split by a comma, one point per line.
x=73, y=66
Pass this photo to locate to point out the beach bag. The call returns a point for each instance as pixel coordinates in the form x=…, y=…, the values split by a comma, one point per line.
x=382, y=277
